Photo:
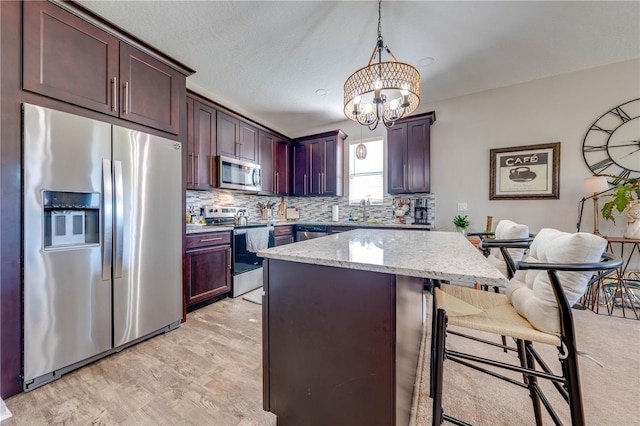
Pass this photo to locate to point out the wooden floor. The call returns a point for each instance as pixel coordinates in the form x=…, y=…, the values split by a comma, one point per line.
x=207, y=372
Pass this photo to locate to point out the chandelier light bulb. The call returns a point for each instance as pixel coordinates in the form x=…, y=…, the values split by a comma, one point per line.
x=393, y=104
x=356, y=100
x=368, y=108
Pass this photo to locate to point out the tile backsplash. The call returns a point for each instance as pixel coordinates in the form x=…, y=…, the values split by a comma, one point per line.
x=311, y=208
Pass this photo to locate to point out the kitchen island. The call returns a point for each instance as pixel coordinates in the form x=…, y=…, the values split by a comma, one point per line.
x=343, y=321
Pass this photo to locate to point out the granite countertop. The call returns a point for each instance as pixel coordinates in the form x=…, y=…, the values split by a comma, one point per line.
x=432, y=254
x=199, y=229
x=196, y=229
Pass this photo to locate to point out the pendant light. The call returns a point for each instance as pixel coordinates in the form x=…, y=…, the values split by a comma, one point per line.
x=381, y=91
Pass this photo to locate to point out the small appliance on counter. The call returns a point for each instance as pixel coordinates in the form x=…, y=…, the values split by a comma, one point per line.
x=420, y=211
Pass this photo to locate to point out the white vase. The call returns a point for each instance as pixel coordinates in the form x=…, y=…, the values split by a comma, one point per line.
x=633, y=224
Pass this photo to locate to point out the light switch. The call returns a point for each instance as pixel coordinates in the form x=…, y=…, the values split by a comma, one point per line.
x=462, y=207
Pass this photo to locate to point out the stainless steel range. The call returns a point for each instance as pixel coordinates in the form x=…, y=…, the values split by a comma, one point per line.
x=248, y=238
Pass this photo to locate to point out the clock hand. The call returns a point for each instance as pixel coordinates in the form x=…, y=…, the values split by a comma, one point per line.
x=626, y=155
x=634, y=143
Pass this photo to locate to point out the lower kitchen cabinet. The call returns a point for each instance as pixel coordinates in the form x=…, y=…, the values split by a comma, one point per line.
x=208, y=266
x=283, y=235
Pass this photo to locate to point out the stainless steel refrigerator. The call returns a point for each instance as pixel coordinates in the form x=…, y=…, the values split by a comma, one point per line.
x=102, y=240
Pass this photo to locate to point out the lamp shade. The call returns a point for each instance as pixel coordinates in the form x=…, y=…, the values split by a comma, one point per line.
x=595, y=184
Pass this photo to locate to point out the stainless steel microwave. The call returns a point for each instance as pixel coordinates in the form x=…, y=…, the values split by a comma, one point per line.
x=238, y=174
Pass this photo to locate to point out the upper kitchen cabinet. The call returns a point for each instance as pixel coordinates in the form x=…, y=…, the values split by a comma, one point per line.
x=68, y=58
x=201, y=145
x=236, y=138
x=409, y=146
x=274, y=164
x=317, y=164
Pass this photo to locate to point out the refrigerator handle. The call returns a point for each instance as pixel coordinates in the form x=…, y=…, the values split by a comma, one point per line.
x=107, y=220
x=119, y=222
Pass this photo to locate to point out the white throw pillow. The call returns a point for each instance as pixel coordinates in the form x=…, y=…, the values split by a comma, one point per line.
x=507, y=230
x=530, y=291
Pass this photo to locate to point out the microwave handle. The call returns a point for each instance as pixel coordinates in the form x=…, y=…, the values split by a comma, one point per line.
x=256, y=178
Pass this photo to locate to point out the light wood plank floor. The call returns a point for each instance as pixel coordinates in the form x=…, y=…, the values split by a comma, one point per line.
x=207, y=372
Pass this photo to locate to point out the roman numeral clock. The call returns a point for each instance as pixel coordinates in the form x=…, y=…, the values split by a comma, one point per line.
x=612, y=143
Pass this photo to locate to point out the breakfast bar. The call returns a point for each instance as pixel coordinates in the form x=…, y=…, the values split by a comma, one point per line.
x=343, y=321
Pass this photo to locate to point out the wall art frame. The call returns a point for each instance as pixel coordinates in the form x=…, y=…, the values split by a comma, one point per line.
x=529, y=172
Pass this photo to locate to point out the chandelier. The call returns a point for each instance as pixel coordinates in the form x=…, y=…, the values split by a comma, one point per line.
x=381, y=91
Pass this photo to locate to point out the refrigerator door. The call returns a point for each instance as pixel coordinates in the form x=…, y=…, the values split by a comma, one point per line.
x=147, y=282
x=67, y=304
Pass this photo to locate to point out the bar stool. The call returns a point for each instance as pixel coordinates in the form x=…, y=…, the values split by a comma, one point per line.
x=536, y=308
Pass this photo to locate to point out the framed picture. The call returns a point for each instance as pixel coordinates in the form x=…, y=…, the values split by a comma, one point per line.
x=528, y=172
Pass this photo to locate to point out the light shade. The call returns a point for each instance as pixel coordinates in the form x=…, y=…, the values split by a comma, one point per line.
x=595, y=184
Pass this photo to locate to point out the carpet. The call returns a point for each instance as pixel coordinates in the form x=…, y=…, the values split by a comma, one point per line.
x=254, y=296
x=610, y=393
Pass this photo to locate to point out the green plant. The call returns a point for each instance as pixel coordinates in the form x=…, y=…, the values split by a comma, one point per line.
x=461, y=222
x=624, y=194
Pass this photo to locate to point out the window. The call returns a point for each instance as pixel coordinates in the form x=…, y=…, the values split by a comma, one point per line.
x=366, y=175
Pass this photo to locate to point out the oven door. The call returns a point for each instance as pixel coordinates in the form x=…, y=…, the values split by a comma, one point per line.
x=247, y=266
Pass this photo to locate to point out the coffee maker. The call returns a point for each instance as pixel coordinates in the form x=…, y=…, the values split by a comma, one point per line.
x=420, y=211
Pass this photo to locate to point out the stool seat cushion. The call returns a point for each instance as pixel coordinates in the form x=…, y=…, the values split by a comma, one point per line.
x=509, y=230
x=530, y=291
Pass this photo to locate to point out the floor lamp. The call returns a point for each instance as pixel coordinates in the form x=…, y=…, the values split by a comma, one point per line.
x=594, y=186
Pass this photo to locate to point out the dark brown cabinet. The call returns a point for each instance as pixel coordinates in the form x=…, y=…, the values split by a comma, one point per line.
x=236, y=138
x=283, y=235
x=274, y=163
x=408, y=155
x=68, y=58
x=201, y=145
x=317, y=164
x=208, y=266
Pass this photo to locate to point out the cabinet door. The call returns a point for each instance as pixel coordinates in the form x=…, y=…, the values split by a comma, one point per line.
x=248, y=142
x=316, y=166
x=281, y=168
x=300, y=164
x=227, y=129
x=332, y=167
x=208, y=273
x=418, y=152
x=66, y=58
x=204, y=125
x=282, y=240
x=396, y=159
x=266, y=143
x=150, y=90
x=190, y=148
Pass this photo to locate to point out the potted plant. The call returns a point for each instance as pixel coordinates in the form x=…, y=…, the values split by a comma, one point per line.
x=626, y=199
x=461, y=223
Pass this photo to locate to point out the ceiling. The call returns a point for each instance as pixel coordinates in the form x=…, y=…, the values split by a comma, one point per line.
x=267, y=59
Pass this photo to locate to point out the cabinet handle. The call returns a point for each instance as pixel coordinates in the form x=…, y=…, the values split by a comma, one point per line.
x=404, y=176
x=197, y=173
x=126, y=97
x=277, y=188
x=211, y=183
x=114, y=101
x=324, y=182
x=304, y=186
x=190, y=178
x=204, y=240
x=319, y=183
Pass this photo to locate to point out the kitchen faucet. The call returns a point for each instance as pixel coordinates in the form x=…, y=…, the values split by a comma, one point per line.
x=364, y=204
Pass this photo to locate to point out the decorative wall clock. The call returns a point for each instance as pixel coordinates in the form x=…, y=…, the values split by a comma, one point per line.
x=612, y=143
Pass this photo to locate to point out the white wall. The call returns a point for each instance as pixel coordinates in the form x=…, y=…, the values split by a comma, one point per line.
x=557, y=109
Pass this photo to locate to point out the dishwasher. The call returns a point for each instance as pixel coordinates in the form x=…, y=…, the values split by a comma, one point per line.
x=309, y=232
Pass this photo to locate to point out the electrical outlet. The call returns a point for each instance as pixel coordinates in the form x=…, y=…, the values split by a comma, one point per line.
x=324, y=208
x=462, y=207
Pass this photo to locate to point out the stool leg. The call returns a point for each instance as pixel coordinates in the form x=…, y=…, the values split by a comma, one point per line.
x=504, y=339
x=527, y=361
x=571, y=373
x=433, y=345
x=438, y=373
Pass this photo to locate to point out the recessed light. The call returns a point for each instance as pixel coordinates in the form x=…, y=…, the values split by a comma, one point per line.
x=321, y=92
x=426, y=61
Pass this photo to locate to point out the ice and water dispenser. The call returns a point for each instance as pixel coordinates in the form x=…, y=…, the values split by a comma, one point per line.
x=71, y=219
